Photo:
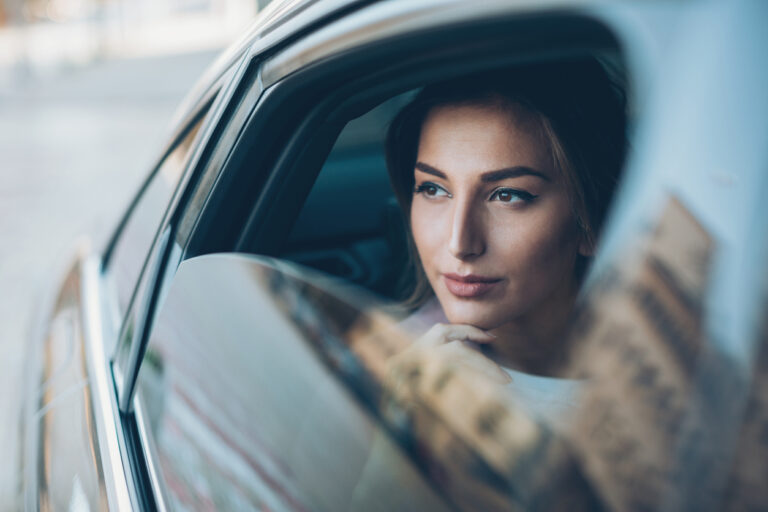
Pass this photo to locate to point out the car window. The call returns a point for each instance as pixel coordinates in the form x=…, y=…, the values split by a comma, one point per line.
x=140, y=229
x=266, y=386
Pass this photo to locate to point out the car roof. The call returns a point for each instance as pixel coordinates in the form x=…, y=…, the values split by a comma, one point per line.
x=267, y=24
x=283, y=20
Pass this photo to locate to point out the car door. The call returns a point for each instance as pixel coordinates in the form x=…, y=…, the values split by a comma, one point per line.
x=255, y=391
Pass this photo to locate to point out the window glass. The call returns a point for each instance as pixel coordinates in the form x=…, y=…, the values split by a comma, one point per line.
x=247, y=405
x=135, y=240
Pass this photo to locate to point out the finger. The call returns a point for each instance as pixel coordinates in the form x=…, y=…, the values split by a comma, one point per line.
x=445, y=333
x=467, y=357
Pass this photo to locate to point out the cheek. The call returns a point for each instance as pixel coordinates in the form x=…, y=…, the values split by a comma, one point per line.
x=539, y=243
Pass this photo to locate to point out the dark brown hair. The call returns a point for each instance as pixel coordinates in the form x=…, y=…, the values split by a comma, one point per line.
x=580, y=109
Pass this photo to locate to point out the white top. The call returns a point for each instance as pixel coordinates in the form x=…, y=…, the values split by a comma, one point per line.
x=549, y=399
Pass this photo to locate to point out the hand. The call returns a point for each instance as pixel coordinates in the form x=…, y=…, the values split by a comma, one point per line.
x=449, y=342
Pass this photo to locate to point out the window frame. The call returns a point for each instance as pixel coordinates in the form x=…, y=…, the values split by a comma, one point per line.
x=330, y=100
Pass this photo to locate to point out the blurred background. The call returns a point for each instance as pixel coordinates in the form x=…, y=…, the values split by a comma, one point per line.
x=87, y=91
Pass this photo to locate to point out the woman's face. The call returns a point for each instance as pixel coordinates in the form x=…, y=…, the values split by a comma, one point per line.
x=491, y=217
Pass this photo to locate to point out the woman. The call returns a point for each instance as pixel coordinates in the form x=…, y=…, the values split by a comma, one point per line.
x=505, y=179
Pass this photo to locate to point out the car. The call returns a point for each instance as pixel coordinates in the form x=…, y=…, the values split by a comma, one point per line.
x=228, y=347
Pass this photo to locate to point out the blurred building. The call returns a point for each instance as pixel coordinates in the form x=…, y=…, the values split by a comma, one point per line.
x=39, y=36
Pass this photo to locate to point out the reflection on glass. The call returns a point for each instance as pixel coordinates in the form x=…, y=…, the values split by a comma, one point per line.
x=466, y=433
x=665, y=404
x=268, y=387
x=246, y=416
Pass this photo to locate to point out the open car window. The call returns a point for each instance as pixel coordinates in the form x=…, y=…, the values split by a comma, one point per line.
x=289, y=383
x=268, y=385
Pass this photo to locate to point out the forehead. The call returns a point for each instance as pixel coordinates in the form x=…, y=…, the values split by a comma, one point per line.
x=469, y=139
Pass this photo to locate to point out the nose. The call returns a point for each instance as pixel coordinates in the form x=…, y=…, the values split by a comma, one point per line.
x=467, y=238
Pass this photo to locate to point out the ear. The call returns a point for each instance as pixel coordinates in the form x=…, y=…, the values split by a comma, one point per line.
x=586, y=246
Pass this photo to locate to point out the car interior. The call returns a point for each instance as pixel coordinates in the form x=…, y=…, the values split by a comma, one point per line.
x=367, y=248
x=306, y=180
x=350, y=225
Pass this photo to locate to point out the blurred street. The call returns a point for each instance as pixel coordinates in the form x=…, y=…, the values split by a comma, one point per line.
x=74, y=147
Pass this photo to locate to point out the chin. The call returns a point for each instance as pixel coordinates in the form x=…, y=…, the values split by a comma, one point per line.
x=482, y=316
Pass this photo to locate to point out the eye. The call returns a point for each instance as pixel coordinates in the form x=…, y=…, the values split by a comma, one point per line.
x=511, y=195
x=430, y=189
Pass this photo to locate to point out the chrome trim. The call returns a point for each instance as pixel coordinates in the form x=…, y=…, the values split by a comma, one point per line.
x=150, y=454
x=118, y=477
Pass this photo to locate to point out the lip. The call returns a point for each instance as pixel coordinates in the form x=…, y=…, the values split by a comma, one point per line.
x=470, y=286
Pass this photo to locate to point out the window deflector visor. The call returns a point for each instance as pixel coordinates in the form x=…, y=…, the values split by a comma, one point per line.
x=126, y=351
x=143, y=321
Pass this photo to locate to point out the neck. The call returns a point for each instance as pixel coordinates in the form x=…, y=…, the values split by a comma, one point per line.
x=536, y=343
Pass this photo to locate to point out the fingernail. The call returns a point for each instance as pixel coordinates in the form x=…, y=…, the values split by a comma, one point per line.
x=490, y=334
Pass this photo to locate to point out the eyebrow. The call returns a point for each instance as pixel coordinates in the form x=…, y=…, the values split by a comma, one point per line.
x=490, y=176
